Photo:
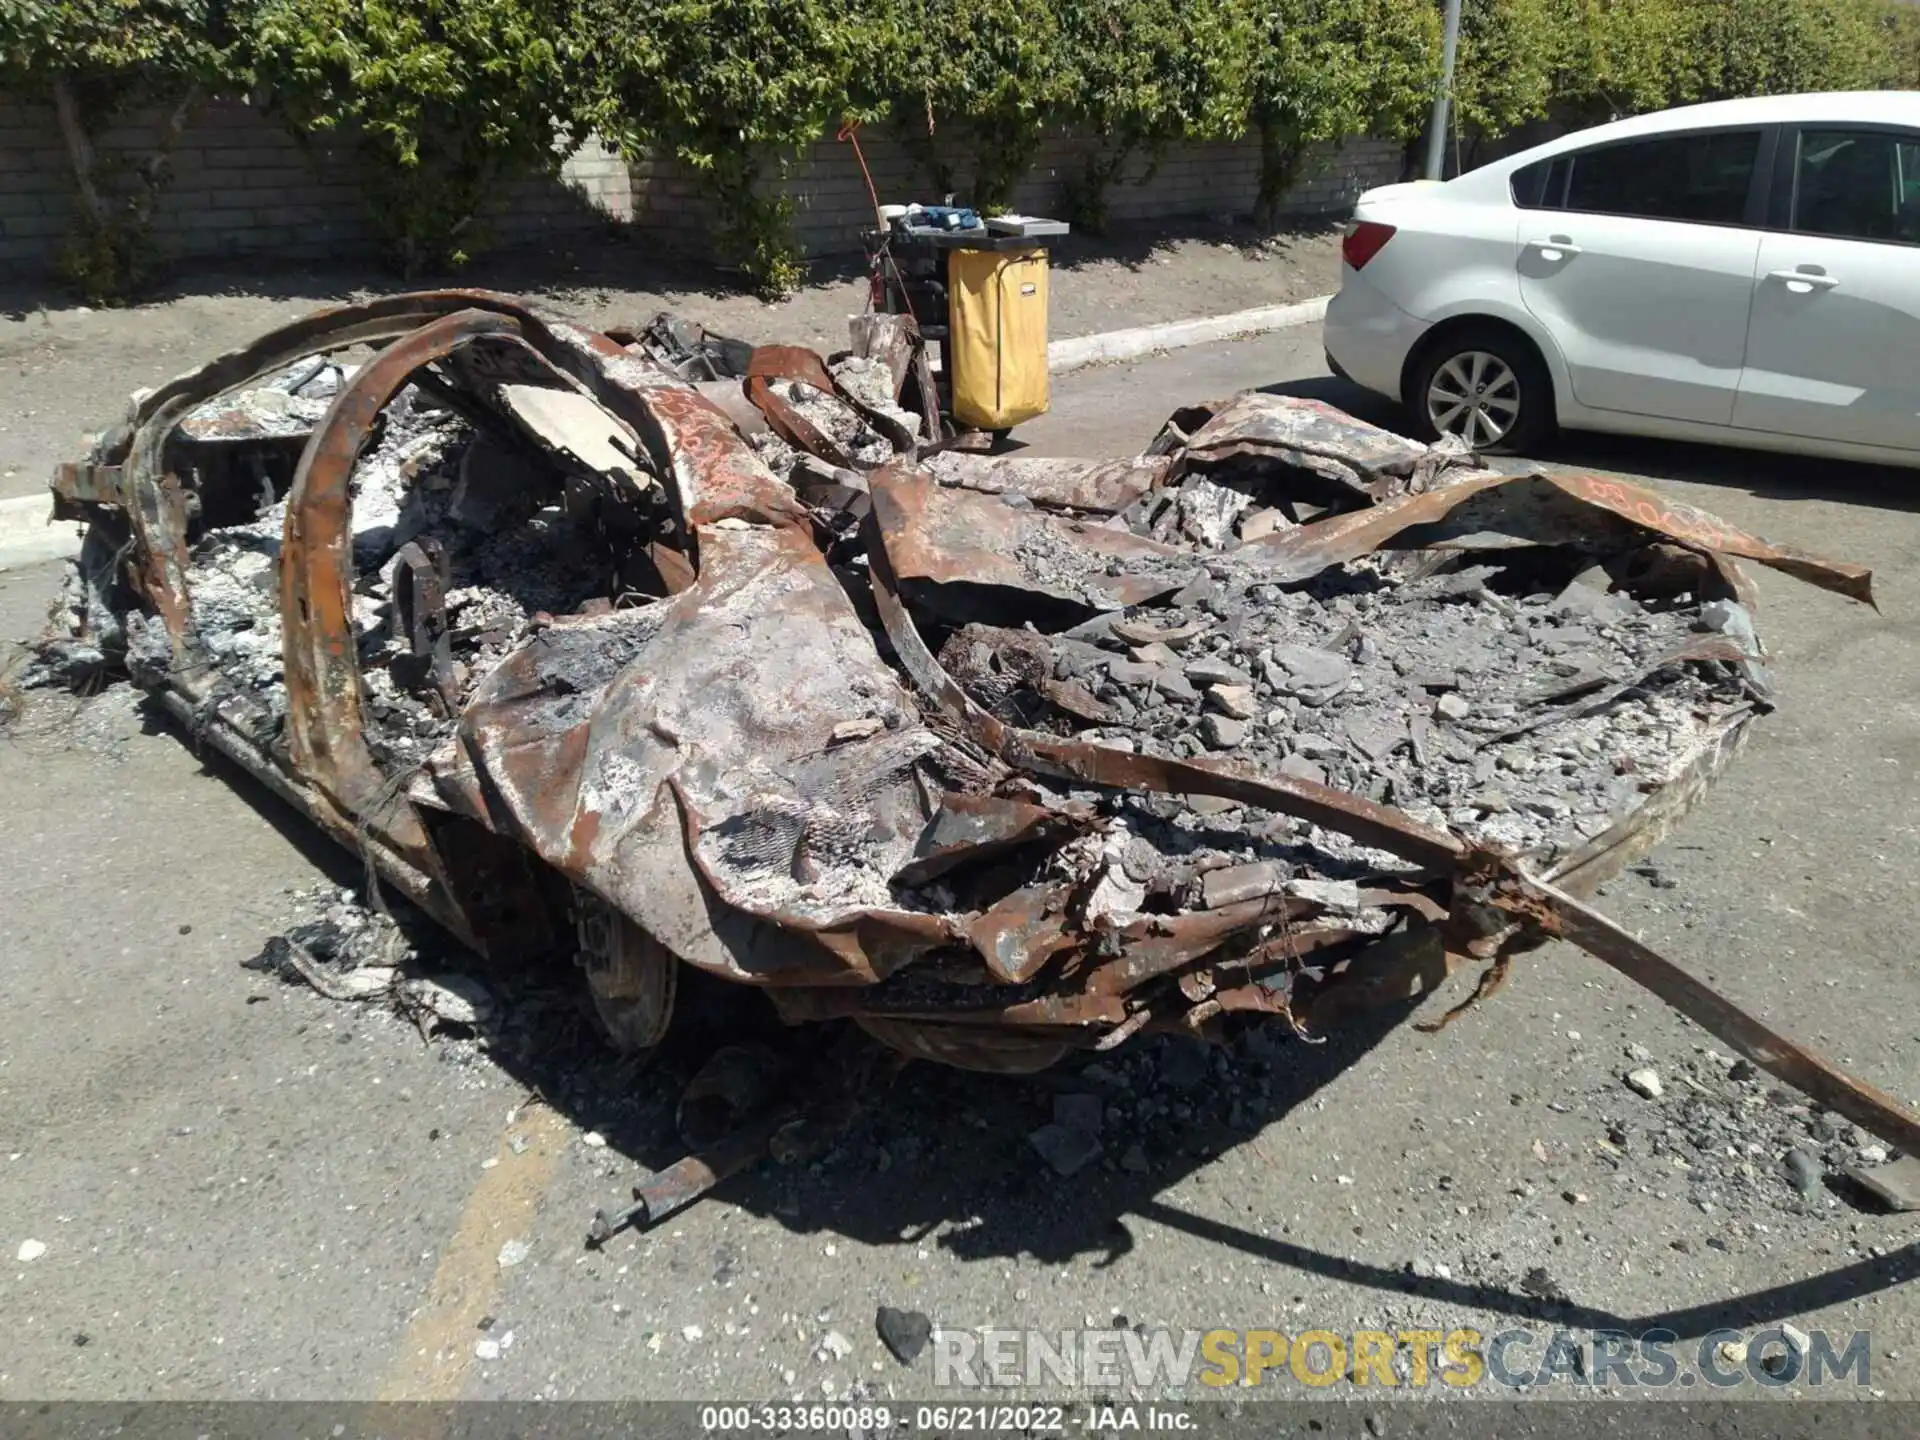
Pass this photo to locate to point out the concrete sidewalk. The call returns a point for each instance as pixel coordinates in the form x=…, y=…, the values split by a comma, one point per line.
x=28, y=535
x=1111, y=346
x=66, y=369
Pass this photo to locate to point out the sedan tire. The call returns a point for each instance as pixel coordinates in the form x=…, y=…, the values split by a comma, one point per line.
x=1486, y=386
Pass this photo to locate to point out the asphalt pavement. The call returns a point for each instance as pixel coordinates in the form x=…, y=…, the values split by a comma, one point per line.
x=237, y=1188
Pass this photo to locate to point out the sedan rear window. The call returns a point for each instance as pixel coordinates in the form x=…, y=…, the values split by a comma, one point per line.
x=1702, y=178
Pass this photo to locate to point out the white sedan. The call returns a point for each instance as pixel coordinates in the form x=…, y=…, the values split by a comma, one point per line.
x=1746, y=272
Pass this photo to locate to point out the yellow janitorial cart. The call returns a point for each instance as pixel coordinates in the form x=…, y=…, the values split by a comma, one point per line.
x=997, y=336
x=979, y=296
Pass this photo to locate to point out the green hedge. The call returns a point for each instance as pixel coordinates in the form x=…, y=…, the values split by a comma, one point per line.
x=445, y=98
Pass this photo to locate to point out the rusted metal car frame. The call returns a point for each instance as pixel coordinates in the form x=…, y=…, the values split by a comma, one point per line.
x=691, y=773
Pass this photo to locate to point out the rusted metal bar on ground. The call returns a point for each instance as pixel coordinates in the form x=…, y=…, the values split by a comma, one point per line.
x=673, y=1189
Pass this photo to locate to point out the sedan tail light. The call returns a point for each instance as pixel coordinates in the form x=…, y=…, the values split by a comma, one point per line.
x=1363, y=241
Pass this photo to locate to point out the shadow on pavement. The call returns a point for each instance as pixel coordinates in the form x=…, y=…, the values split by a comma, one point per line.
x=1758, y=1308
x=945, y=1152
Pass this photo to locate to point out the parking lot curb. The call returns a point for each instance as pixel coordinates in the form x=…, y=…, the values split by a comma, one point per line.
x=30, y=535
x=1083, y=350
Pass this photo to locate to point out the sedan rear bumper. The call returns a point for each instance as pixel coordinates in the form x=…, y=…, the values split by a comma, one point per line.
x=1367, y=336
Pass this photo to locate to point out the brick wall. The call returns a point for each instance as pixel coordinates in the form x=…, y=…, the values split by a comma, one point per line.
x=832, y=206
x=243, y=186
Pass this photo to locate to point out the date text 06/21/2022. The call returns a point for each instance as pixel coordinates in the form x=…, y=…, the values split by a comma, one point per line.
x=962, y=1419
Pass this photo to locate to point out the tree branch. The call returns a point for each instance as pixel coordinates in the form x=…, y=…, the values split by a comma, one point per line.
x=79, y=149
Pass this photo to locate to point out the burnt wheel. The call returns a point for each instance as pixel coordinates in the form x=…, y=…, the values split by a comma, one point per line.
x=632, y=977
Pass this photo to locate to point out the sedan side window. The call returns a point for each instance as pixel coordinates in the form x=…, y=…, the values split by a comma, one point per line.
x=1702, y=178
x=1858, y=185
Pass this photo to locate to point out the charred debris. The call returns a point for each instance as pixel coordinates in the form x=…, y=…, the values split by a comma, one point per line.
x=662, y=650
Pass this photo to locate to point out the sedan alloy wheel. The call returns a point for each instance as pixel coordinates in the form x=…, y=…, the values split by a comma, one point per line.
x=1476, y=396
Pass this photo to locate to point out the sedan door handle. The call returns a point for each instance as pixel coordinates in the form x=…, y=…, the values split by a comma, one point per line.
x=1555, y=247
x=1803, y=282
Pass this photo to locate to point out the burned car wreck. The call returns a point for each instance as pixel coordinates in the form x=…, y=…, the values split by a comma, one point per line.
x=667, y=651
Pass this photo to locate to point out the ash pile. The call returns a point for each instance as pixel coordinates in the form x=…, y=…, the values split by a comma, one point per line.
x=1525, y=686
x=650, y=650
x=1526, y=698
x=460, y=544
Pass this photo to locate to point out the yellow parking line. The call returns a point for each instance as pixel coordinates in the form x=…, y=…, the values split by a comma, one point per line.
x=433, y=1356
